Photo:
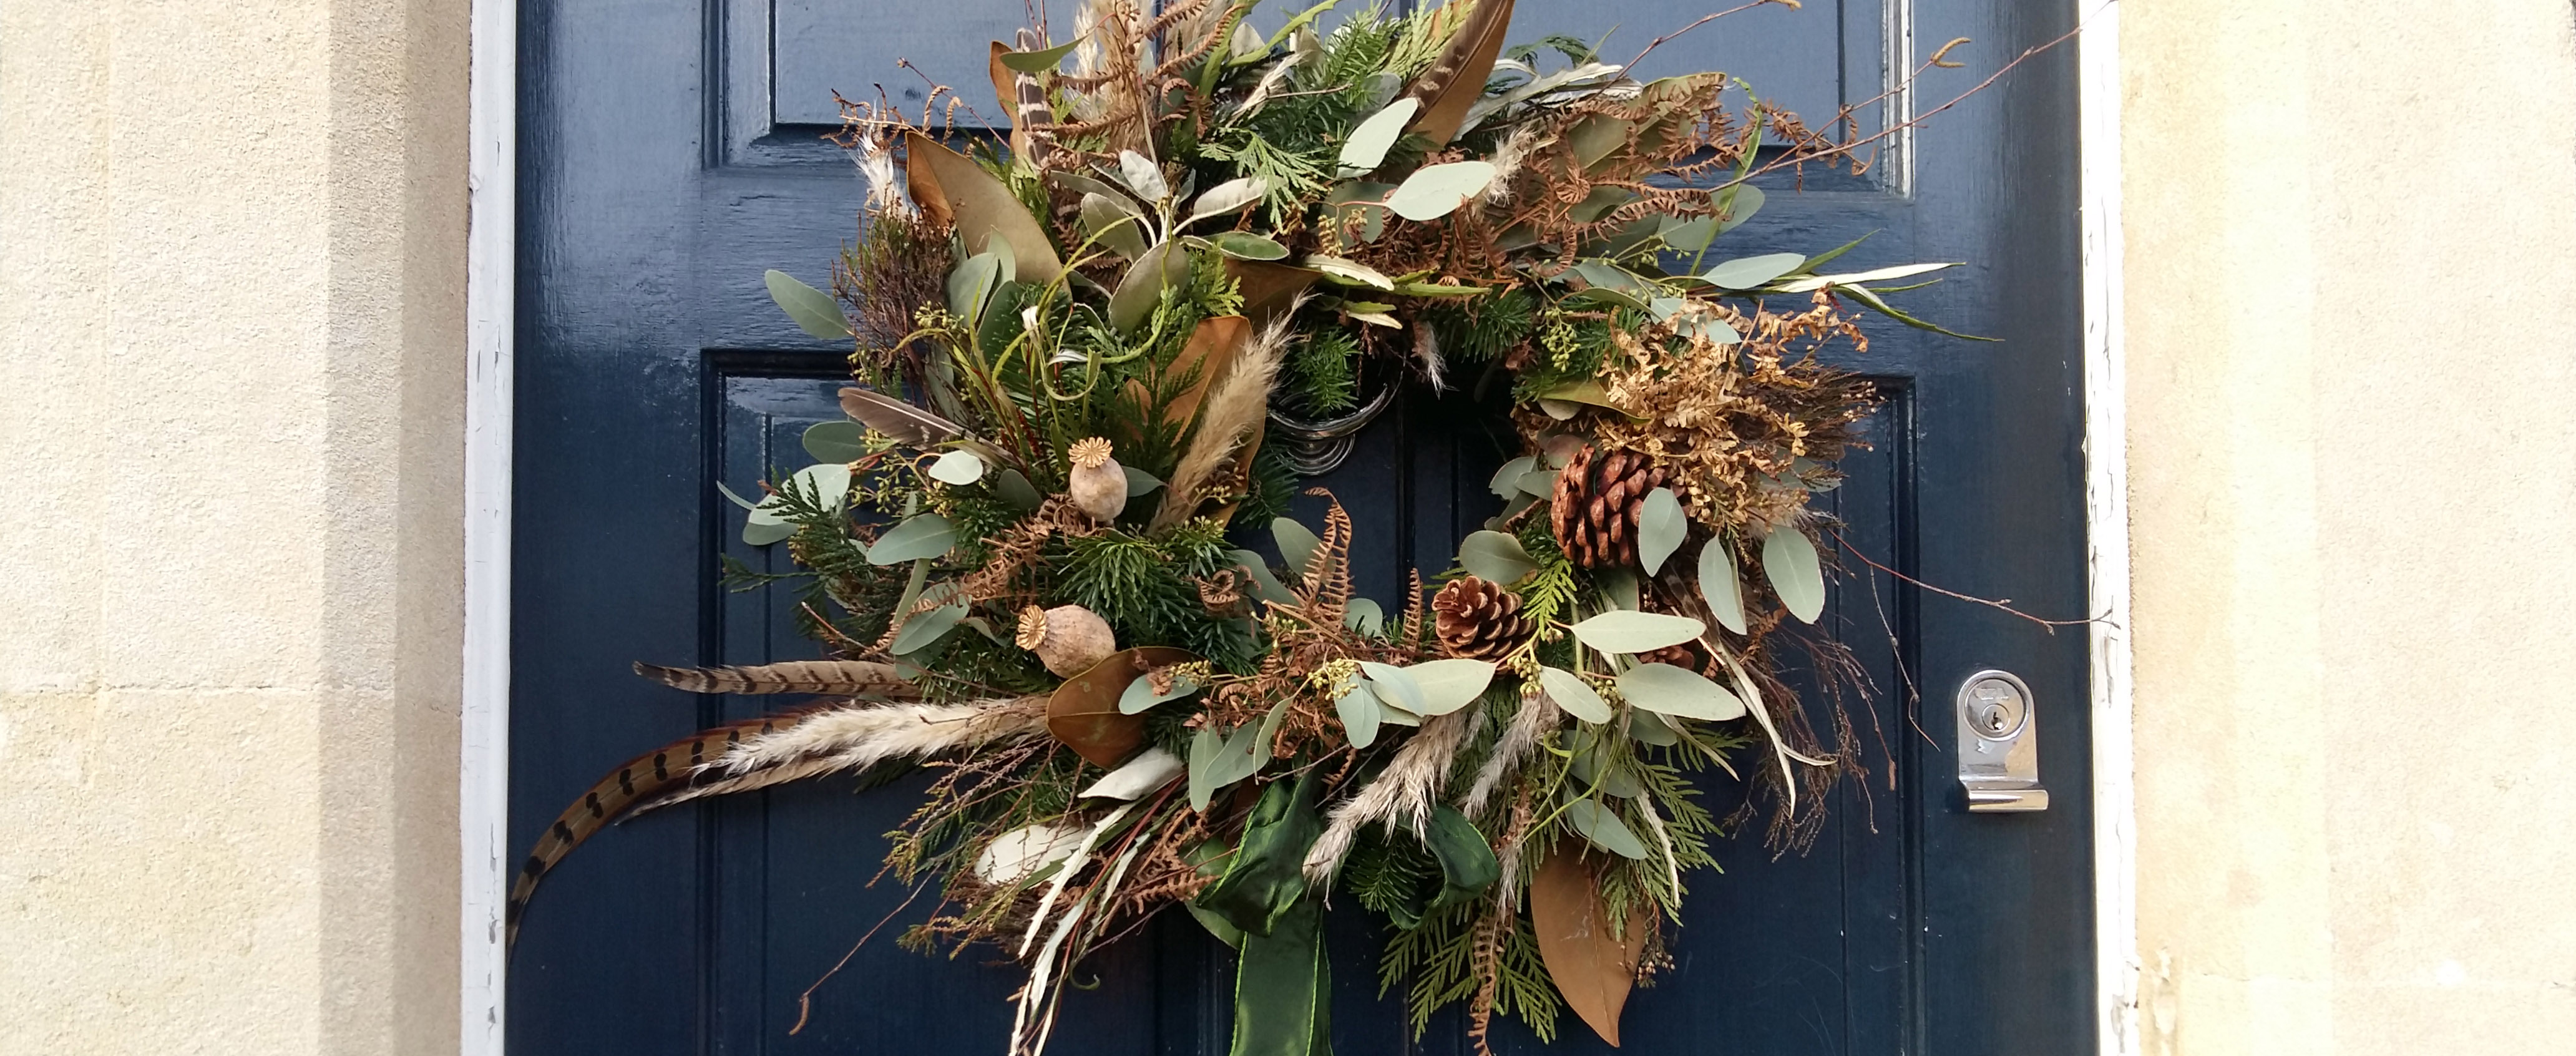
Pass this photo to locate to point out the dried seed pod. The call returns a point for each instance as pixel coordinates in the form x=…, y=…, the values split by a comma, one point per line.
x=1479, y=619
x=1098, y=484
x=1068, y=639
x=1594, y=511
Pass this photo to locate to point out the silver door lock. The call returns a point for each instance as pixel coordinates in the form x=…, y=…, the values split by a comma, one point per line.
x=1999, y=744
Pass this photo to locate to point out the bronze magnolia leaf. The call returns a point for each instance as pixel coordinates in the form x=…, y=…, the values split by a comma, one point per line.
x=1084, y=714
x=1269, y=289
x=1210, y=351
x=1457, y=78
x=1592, y=968
x=952, y=189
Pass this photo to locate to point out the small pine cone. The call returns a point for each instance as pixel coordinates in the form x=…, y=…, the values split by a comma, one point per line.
x=1683, y=655
x=1594, y=511
x=1479, y=619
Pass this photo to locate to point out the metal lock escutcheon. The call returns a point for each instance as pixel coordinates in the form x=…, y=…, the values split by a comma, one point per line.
x=1999, y=743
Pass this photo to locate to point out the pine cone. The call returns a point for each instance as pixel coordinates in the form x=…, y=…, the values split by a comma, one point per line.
x=1479, y=619
x=1685, y=655
x=1594, y=512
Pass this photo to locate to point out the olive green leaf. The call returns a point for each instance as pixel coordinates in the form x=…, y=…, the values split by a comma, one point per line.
x=1297, y=543
x=1448, y=685
x=1359, y=710
x=1365, y=617
x=1367, y=147
x=814, y=311
x=1039, y=61
x=1396, y=687
x=1115, y=223
x=1139, y=696
x=1789, y=561
x=1164, y=266
x=1347, y=272
x=926, y=629
x=837, y=441
x=1244, y=245
x=1228, y=197
x=1013, y=487
x=959, y=468
x=1637, y=632
x=1266, y=586
x=1679, y=692
x=1749, y=272
x=1507, y=480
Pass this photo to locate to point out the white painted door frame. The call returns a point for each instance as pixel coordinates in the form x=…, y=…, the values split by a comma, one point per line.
x=491, y=274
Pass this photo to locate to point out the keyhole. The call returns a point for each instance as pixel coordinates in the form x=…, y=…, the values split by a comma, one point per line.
x=1997, y=718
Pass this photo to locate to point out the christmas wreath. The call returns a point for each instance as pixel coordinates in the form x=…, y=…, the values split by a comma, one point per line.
x=1091, y=357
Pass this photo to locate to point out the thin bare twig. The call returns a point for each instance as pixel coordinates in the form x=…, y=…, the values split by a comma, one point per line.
x=2003, y=604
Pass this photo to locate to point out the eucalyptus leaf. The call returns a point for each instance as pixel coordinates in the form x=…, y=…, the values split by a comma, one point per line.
x=1660, y=528
x=1507, y=479
x=1360, y=713
x=1595, y=768
x=1365, y=616
x=1266, y=585
x=1013, y=487
x=1361, y=201
x=1139, y=696
x=1229, y=197
x=1599, y=203
x=1573, y=694
x=1395, y=687
x=1602, y=826
x=926, y=629
x=1789, y=561
x=1244, y=245
x=1435, y=191
x=1650, y=728
x=1142, y=176
x=1495, y=556
x=764, y=527
x=1539, y=483
x=1748, y=272
x=1618, y=587
x=1719, y=585
x=827, y=483
x=1297, y=543
x=735, y=498
x=1164, y=266
x=1679, y=692
x=1738, y=204
x=1448, y=685
x=1039, y=61
x=814, y=311
x=1637, y=632
x=922, y=536
x=959, y=468
x=972, y=284
x=1140, y=482
x=837, y=441
x=1367, y=147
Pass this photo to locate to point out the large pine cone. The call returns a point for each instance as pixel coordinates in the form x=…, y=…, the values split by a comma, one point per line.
x=1478, y=618
x=1595, y=509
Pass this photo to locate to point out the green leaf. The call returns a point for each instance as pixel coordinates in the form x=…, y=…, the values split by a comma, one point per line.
x=1618, y=588
x=1637, y=632
x=837, y=441
x=924, y=536
x=1013, y=487
x=1660, y=528
x=1395, y=687
x=1140, y=482
x=1139, y=696
x=1648, y=729
x=1230, y=197
x=1602, y=826
x=1467, y=862
x=1718, y=584
x=959, y=468
x=1593, y=768
x=814, y=311
x=1507, y=480
x=1367, y=147
x=1244, y=245
x=1871, y=300
x=972, y=284
x=926, y=629
x=1749, y=272
x=764, y=528
x=1573, y=694
x=1599, y=203
x=1738, y=204
x=1435, y=191
x=1142, y=176
x=1115, y=223
x=1813, y=283
x=1359, y=710
x=1448, y=685
x=1365, y=616
x=1266, y=585
x=1363, y=201
x=1826, y=257
x=1789, y=562
x=1347, y=272
x=1039, y=61
x=1679, y=692
x=1495, y=556
x=1164, y=266
x=1297, y=544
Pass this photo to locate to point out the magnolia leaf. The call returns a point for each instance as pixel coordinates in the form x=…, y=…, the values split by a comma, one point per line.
x=1749, y=272
x=1142, y=176
x=1266, y=585
x=1148, y=772
x=1719, y=585
x=1789, y=561
x=1396, y=687
x=1373, y=318
x=1573, y=694
x=1435, y=191
x=1586, y=391
x=1230, y=197
x=1601, y=825
x=959, y=468
x=926, y=535
x=1140, y=482
x=814, y=311
x=1140, y=697
x=1367, y=147
x=1244, y=245
x=1297, y=543
x=1457, y=76
x=1507, y=479
x=1365, y=617
x=1593, y=966
x=1679, y=692
x=927, y=628
x=1660, y=528
x=1083, y=712
x=905, y=423
x=1360, y=713
x=1348, y=272
x=1495, y=556
x=837, y=441
x=1115, y=223
x=1013, y=487
x=1164, y=266
x=952, y=189
x=1448, y=685
x=1039, y=61
x=1014, y=855
x=1637, y=632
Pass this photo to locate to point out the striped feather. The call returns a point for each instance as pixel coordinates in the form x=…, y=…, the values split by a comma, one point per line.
x=904, y=422
x=832, y=677
x=1457, y=77
x=1032, y=115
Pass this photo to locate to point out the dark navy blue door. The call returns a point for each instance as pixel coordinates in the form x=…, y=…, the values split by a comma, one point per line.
x=670, y=152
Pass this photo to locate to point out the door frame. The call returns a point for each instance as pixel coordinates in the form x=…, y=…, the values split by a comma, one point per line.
x=483, y=769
